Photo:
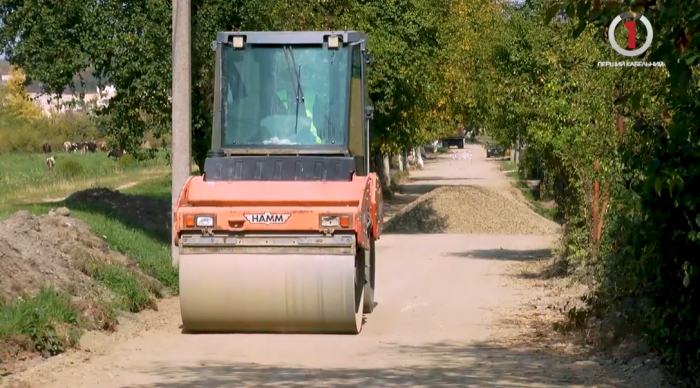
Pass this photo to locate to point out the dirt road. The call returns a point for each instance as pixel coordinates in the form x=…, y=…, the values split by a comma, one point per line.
x=441, y=300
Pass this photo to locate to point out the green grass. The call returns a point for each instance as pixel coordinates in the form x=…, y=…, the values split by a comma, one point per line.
x=152, y=256
x=48, y=322
x=132, y=294
x=508, y=166
x=529, y=194
x=22, y=173
x=156, y=188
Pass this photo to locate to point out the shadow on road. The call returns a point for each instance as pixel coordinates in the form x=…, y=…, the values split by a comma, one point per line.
x=416, y=189
x=437, y=179
x=436, y=365
x=505, y=254
x=149, y=214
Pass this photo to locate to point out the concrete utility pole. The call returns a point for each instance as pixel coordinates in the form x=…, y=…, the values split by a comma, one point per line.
x=181, y=102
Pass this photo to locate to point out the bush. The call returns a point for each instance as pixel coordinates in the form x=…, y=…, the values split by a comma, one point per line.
x=69, y=168
x=28, y=135
x=127, y=162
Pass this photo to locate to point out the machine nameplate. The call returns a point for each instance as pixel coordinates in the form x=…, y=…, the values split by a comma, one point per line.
x=267, y=218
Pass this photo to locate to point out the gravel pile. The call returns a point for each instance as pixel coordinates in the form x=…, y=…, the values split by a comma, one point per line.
x=468, y=210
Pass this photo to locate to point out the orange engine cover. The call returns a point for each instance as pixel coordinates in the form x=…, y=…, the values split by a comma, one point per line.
x=279, y=206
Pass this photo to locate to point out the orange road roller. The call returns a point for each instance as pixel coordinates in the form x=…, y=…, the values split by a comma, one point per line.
x=278, y=233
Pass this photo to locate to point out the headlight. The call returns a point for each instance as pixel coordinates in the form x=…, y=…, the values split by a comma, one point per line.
x=192, y=221
x=204, y=221
x=330, y=221
x=335, y=221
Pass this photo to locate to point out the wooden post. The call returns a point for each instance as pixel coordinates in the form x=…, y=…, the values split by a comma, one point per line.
x=181, y=104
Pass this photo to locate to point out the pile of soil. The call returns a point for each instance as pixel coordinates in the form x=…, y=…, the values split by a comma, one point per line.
x=469, y=210
x=56, y=250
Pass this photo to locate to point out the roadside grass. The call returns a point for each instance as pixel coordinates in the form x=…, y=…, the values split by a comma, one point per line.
x=546, y=209
x=508, y=166
x=48, y=323
x=159, y=188
x=25, y=177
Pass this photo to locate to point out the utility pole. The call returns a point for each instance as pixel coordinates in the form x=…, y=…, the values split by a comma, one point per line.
x=181, y=103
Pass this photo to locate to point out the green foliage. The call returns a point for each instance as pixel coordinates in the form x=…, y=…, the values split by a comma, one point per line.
x=417, y=85
x=46, y=322
x=24, y=129
x=652, y=226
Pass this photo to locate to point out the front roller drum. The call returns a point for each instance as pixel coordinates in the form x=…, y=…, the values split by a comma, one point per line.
x=271, y=293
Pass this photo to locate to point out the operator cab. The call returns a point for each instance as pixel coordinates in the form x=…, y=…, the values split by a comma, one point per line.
x=290, y=106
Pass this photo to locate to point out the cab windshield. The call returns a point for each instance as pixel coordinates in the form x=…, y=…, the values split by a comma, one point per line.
x=284, y=95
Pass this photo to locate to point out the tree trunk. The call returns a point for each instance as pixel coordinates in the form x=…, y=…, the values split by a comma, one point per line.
x=399, y=162
x=385, y=175
x=404, y=160
x=419, y=157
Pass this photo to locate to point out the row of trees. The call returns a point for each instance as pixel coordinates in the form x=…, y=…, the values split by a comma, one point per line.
x=619, y=148
x=419, y=81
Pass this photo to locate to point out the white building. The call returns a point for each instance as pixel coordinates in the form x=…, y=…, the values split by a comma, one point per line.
x=51, y=104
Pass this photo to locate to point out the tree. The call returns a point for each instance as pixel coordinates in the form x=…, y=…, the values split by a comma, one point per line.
x=655, y=220
x=16, y=101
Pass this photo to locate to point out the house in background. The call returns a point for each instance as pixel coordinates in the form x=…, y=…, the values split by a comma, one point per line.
x=67, y=101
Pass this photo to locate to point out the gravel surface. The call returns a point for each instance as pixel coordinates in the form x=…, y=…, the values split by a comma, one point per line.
x=468, y=210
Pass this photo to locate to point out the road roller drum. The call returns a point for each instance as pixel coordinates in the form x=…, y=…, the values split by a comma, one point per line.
x=271, y=293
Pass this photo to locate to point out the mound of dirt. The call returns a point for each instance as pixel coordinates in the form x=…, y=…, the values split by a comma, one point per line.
x=53, y=250
x=469, y=210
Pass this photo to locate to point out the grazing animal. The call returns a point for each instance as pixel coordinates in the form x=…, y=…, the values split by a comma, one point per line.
x=91, y=146
x=102, y=146
x=47, y=148
x=50, y=162
x=68, y=146
x=116, y=154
